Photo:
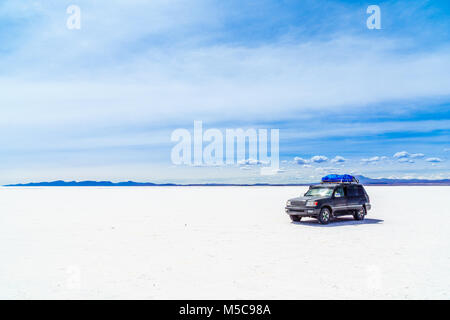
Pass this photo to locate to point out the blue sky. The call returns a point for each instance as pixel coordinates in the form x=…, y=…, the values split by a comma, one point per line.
x=101, y=102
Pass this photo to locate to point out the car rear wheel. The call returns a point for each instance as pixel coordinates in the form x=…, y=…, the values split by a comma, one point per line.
x=296, y=218
x=324, y=216
x=360, y=214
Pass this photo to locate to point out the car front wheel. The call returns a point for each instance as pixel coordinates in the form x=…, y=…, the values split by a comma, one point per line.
x=360, y=214
x=296, y=218
x=324, y=216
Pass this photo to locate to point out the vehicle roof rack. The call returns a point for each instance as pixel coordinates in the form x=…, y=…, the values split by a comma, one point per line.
x=339, y=178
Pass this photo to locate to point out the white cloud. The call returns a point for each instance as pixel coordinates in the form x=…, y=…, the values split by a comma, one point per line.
x=417, y=155
x=402, y=154
x=319, y=159
x=405, y=155
x=374, y=159
x=342, y=129
x=405, y=160
x=200, y=73
x=251, y=162
x=434, y=160
x=300, y=160
x=338, y=159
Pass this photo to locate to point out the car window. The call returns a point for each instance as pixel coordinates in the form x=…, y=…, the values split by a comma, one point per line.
x=352, y=191
x=339, y=192
x=323, y=192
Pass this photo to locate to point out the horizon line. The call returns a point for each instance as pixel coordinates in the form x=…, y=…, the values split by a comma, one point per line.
x=107, y=183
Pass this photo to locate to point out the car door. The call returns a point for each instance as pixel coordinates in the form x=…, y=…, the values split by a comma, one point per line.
x=339, y=201
x=353, y=198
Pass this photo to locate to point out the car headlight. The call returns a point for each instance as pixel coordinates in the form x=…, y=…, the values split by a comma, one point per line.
x=311, y=203
x=288, y=203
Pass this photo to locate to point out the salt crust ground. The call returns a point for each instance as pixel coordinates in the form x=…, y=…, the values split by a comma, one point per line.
x=219, y=243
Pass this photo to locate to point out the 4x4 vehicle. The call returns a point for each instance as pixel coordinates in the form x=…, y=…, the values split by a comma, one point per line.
x=337, y=195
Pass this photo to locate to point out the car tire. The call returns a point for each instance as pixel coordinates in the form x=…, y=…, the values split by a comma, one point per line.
x=324, y=216
x=296, y=218
x=360, y=214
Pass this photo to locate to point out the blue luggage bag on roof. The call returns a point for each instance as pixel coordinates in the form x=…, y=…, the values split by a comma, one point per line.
x=339, y=178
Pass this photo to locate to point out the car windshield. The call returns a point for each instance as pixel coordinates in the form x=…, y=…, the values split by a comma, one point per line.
x=322, y=191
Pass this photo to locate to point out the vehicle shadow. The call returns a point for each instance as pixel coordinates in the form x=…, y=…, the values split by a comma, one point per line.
x=338, y=222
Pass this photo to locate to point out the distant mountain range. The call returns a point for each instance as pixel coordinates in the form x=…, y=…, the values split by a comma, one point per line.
x=364, y=180
x=385, y=181
x=61, y=183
